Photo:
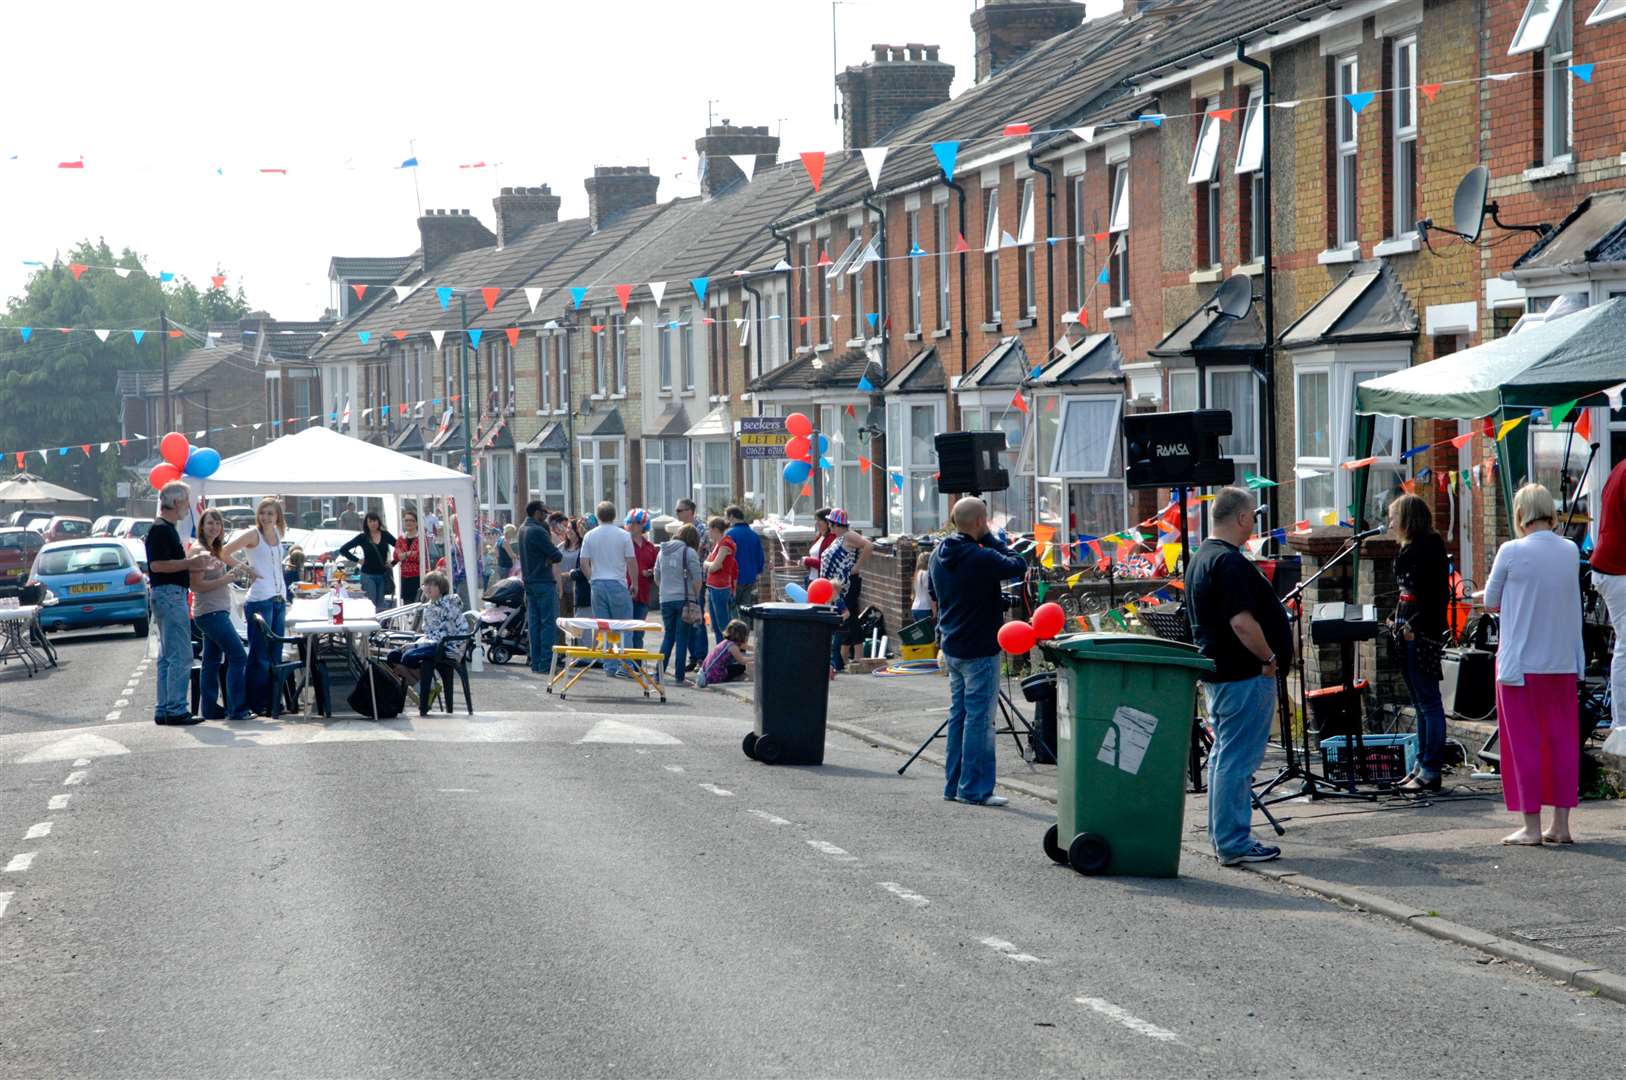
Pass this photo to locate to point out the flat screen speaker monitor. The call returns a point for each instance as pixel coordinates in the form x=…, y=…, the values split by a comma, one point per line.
x=1177, y=449
x=968, y=461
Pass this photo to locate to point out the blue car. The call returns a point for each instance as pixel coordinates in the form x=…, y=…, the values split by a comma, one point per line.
x=94, y=582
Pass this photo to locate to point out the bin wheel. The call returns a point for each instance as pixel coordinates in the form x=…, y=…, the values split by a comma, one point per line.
x=499, y=654
x=1089, y=854
x=767, y=750
x=1052, y=848
x=750, y=745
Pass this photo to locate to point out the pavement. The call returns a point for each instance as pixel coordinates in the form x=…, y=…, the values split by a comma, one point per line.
x=608, y=886
x=1431, y=861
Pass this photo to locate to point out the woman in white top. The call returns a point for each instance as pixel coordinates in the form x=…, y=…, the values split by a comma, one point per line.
x=263, y=543
x=1535, y=584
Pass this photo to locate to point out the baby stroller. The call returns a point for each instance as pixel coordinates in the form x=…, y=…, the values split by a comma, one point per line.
x=502, y=622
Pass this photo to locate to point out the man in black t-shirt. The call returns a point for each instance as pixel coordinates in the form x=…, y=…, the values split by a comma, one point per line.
x=169, y=571
x=1239, y=624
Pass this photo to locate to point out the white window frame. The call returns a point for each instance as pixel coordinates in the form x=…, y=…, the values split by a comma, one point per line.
x=1119, y=233
x=901, y=508
x=1205, y=155
x=618, y=330
x=591, y=460
x=989, y=411
x=1404, y=195
x=601, y=374
x=1321, y=463
x=685, y=331
x=664, y=332
x=1181, y=375
x=944, y=290
x=1536, y=26
x=489, y=465
x=659, y=456
x=1346, y=151
x=710, y=498
x=1068, y=402
x=1080, y=269
x=990, y=256
x=1249, y=460
x=1558, y=91
x=1250, y=147
x=912, y=228
x=844, y=469
x=1605, y=11
x=1029, y=298
x=536, y=480
x=1343, y=368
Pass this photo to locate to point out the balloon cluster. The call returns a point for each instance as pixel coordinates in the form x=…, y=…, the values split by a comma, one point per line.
x=182, y=458
x=818, y=591
x=800, y=449
x=1017, y=637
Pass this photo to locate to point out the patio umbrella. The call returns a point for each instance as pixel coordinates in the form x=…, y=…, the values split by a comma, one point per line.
x=28, y=488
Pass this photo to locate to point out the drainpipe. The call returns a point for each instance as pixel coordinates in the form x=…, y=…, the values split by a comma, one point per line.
x=965, y=337
x=880, y=301
x=790, y=291
x=1265, y=110
x=1050, y=252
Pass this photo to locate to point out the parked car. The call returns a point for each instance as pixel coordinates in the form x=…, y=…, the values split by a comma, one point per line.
x=64, y=527
x=107, y=524
x=23, y=517
x=18, y=547
x=134, y=529
x=96, y=582
x=237, y=517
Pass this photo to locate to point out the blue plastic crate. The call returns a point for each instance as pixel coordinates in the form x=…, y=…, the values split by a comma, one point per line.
x=1388, y=757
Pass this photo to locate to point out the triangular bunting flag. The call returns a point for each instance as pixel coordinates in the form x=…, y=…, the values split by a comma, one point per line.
x=1430, y=90
x=512, y=334
x=1358, y=102
x=864, y=385
x=77, y=270
x=1583, y=427
x=1582, y=72
x=1509, y=425
x=1155, y=119
x=398, y=335
x=360, y=291
x=489, y=294
x=364, y=335
x=1017, y=131
x=1019, y=403
x=165, y=276
x=532, y=295
x=813, y=162
x=623, y=293
x=874, y=160
x=443, y=293
x=1224, y=116
x=917, y=251
x=218, y=280
x=437, y=336
x=700, y=285
x=657, y=289
x=1085, y=134
x=781, y=267
x=578, y=293
x=474, y=338
x=1006, y=239
x=746, y=163
x=874, y=320
x=1104, y=277
x=102, y=335
x=138, y=335
x=174, y=333
x=960, y=245
x=948, y=155
x=403, y=291
x=864, y=463
x=636, y=321
x=122, y=271
x=26, y=331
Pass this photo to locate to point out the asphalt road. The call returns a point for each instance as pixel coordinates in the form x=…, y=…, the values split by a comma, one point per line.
x=608, y=888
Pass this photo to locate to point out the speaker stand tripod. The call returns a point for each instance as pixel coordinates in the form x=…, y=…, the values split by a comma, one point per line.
x=1013, y=720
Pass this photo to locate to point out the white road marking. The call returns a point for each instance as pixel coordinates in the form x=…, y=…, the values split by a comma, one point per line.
x=1129, y=1020
x=74, y=778
x=77, y=762
x=454, y=790
x=1007, y=949
x=5, y=900
x=615, y=731
x=831, y=850
x=58, y=802
x=715, y=790
x=673, y=768
x=76, y=748
x=906, y=895
x=114, y=715
x=771, y=819
x=121, y=703
x=20, y=862
x=38, y=830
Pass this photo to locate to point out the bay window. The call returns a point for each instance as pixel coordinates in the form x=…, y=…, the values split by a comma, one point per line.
x=600, y=461
x=1325, y=425
x=847, y=485
x=1236, y=390
x=1009, y=509
x=914, y=504
x=495, y=476
x=1182, y=390
x=713, y=484
x=545, y=479
x=666, y=473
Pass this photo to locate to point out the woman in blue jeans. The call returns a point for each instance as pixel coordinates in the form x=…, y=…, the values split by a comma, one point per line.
x=377, y=548
x=267, y=597
x=211, y=613
x=1422, y=572
x=679, y=576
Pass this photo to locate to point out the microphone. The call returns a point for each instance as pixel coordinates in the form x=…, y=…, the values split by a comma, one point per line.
x=1264, y=508
x=1369, y=533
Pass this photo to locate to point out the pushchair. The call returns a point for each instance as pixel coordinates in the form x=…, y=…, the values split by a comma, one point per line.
x=503, y=621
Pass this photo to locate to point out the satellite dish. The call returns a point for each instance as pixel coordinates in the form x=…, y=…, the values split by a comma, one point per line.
x=1468, y=206
x=1235, y=296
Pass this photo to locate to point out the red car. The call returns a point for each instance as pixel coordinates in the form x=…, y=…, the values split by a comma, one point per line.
x=63, y=527
x=18, y=546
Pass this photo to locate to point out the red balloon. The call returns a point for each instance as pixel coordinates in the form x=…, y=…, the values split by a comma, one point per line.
x=174, y=449
x=162, y=474
x=798, y=424
x=1048, y=621
x=821, y=591
x=1016, y=637
x=799, y=448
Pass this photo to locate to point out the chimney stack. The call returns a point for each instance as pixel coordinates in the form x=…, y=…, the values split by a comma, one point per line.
x=1006, y=29
x=881, y=94
x=444, y=233
x=612, y=190
x=724, y=140
x=521, y=208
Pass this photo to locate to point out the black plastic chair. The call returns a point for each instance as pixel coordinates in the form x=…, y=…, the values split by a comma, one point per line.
x=446, y=667
x=284, y=672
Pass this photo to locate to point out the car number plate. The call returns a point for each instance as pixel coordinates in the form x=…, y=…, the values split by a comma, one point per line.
x=79, y=590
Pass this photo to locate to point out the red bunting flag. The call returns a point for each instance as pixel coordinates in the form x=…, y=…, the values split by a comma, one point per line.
x=801, y=320
x=489, y=294
x=813, y=162
x=1430, y=90
x=361, y=291
x=22, y=458
x=80, y=164
x=1583, y=426
x=1361, y=464
x=863, y=463
x=473, y=165
x=1016, y=131
x=1462, y=440
x=279, y=172
x=708, y=321
x=513, y=337
x=398, y=335
x=852, y=412
x=1100, y=237
x=824, y=257
x=1302, y=526
x=623, y=293
x=1224, y=116
x=807, y=489
x=1487, y=427
x=1020, y=403
x=77, y=270
x=218, y=280
x=69, y=330
x=85, y=446
x=174, y=333
x=959, y=243
x=598, y=328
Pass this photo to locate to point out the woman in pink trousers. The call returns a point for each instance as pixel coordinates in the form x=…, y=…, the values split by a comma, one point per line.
x=1535, y=584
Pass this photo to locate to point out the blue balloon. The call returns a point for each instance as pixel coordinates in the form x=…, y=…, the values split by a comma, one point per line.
x=796, y=593
x=797, y=472
x=202, y=462
x=824, y=463
x=824, y=445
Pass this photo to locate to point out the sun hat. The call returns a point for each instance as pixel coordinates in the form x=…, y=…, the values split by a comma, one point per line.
x=638, y=516
x=837, y=516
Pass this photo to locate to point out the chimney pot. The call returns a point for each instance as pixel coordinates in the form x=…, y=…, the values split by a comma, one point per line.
x=612, y=190
x=522, y=208
x=507, y=191
x=720, y=143
x=1007, y=29
x=444, y=233
x=879, y=96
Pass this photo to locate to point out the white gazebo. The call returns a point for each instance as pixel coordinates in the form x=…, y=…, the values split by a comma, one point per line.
x=319, y=461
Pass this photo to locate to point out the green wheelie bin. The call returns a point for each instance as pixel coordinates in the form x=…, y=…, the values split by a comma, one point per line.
x=1124, y=704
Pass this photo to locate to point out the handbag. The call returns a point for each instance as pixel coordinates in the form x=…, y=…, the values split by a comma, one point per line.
x=693, y=614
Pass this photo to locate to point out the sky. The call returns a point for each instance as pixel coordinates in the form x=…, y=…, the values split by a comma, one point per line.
x=175, y=109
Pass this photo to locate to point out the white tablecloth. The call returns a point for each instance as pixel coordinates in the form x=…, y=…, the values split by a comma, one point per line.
x=314, y=609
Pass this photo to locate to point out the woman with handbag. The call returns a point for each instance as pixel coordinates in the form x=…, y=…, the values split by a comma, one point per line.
x=1418, y=629
x=679, y=575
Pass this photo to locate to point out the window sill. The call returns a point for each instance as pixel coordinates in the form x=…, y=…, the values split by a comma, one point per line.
x=1117, y=312
x=1564, y=166
x=622, y=396
x=913, y=335
x=855, y=343
x=940, y=334
x=990, y=327
x=598, y=397
x=1026, y=324
x=1400, y=245
x=821, y=348
x=1206, y=277
x=1333, y=256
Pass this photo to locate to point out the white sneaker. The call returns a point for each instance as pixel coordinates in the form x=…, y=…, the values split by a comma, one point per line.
x=992, y=800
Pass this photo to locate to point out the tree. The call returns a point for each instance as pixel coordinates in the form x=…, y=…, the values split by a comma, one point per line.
x=62, y=388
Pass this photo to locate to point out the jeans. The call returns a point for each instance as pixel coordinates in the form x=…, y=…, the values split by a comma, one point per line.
x=745, y=595
x=1612, y=587
x=409, y=589
x=969, y=757
x=697, y=643
x=719, y=605
x=839, y=637
x=674, y=638
x=541, y=615
x=611, y=600
x=174, y=650
x=639, y=611
x=220, y=640
x=257, y=672
x=1425, y=695
x=1241, y=712
x=376, y=586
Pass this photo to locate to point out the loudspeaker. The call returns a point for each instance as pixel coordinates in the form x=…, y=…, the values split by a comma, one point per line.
x=1177, y=449
x=969, y=461
x=1468, y=690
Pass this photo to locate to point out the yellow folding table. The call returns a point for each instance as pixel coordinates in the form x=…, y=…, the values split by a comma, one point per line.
x=601, y=642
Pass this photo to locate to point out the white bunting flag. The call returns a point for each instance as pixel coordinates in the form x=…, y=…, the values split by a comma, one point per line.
x=102, y=335
x=1304, y=473
x=551, y=324
x=874, y=160
x=1613, y=394
x=404, y=291
x=636, y=321
x=835, y=318
x=738, y=323
x=121, y=272
x=1006, y=239
x=781, y=266
x=1069, y=318
x=257, y=427
x=1085, y=134
x=532, y=295
x=657, y=289
x=1286, y=104
x=105, y=445
x=437, y=336
x=746, y=163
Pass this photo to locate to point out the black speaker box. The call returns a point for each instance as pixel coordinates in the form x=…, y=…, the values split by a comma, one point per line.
x=1469, y=688
x=969, y=461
